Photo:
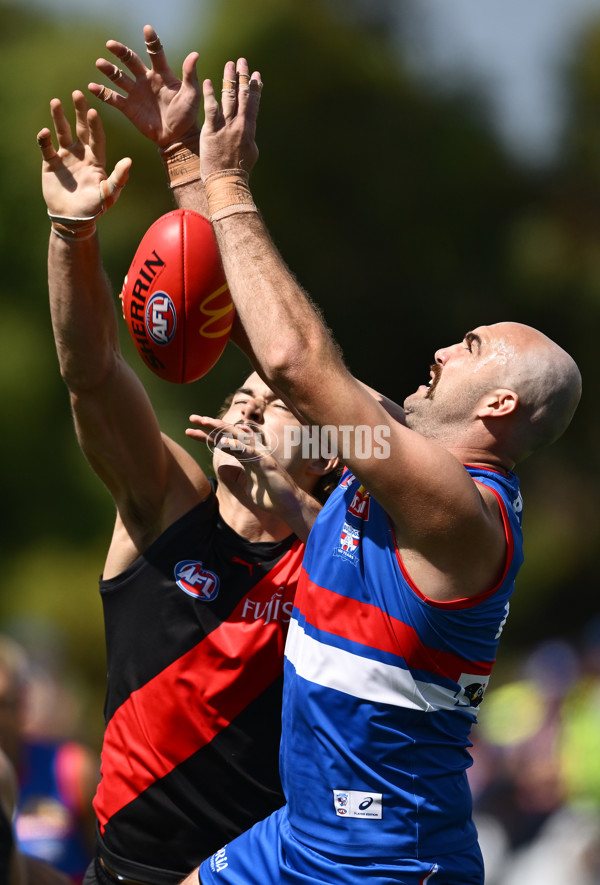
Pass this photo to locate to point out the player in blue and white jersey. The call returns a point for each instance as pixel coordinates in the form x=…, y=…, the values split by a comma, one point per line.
x=409, y=567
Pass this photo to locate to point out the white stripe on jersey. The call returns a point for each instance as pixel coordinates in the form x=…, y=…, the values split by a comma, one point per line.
x=362, y=677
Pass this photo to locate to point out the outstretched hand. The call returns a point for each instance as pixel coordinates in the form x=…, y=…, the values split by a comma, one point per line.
x=160, y=105
x=258, y=478
x=227, y=140
x=74, y=179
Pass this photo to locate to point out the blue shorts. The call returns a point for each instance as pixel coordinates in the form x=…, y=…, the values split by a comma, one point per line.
x=268, y=854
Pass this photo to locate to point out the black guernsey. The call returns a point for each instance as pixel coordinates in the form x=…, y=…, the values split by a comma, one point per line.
x=195, y=630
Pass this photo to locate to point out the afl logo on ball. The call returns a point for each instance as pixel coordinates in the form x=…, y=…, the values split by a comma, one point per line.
x=161, y=319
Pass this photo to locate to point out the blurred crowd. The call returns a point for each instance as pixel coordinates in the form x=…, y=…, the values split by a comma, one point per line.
x=57, y=774
x=535, y=778
x=536, y=775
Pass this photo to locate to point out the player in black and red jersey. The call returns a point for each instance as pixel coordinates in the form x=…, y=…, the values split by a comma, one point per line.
x=200, y=574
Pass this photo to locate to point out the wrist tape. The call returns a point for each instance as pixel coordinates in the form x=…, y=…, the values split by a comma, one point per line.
x=228, y=193
x=73, y=227
x=182, y=160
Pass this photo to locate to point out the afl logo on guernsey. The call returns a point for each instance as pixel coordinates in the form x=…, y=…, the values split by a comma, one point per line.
x=161, y=319
x=196, y=581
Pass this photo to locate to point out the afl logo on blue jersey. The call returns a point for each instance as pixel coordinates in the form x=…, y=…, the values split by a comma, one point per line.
x=161, y=319
x=196, y=581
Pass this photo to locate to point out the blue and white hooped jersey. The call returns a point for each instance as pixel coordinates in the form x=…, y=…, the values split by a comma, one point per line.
x=382, y=686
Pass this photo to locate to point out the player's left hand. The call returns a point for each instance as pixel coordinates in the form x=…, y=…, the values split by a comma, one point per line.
x=227, y=140
x=262, y=481
x=160, y=105
x=74, y=179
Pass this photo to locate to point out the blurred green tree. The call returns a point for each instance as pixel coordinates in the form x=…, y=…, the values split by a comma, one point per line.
x=398, y=210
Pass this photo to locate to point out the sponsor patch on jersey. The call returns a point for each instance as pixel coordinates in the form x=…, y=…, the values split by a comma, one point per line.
x=473, y=689
x=218, y=862
x=360, y=503
x=348, y=544
x=354, y=803
x=161, y=319
x=196, y=581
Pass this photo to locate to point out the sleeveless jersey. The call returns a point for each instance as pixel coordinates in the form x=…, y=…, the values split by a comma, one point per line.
x=382, y=687
x=48, y=821
x=195, y=631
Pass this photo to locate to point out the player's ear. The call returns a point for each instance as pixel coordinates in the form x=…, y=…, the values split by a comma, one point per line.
x=321, y=466
x=497, y=403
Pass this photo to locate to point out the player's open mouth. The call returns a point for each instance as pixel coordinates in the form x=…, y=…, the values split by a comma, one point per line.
x=252, y=430
x=434, y=377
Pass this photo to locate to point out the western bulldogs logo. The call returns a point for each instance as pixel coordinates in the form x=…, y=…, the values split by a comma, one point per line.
x=161, y=319
x=348, y=544
x=196, y=581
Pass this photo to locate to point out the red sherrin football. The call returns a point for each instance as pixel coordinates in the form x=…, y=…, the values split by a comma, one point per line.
x=175, y=299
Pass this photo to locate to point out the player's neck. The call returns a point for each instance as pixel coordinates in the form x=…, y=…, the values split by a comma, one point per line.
x=480, y=457
x=250, y=521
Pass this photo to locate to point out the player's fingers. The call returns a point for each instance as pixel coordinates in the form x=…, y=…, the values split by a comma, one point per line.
x=253, y=96
x=190, y=72
x=111, y=187
x=44, y=140
x=241, y=449
x=212, y=110
x=213, y=423
x=243, y=75
x=205, y=428
x=155, y=50
x=229, y=91
x=244, y=440
x=81, y=110
x=249, y=89
x=97, y=138
x=127, y=56
x=115, y=74
x=108, y=96
x=64, y=135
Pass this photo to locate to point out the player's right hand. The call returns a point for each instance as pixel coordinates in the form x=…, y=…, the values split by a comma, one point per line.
x=160, y=105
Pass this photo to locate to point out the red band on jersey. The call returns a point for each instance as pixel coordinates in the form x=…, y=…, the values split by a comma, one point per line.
x=244, y=656
x=368, y=625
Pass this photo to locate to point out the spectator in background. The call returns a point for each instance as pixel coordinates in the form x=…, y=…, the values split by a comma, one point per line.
x=535, y=778
x=12, y=871
x=57, y=777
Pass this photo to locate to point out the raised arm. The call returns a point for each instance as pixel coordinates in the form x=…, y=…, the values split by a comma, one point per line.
x=436, y=508
x=148, y=476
